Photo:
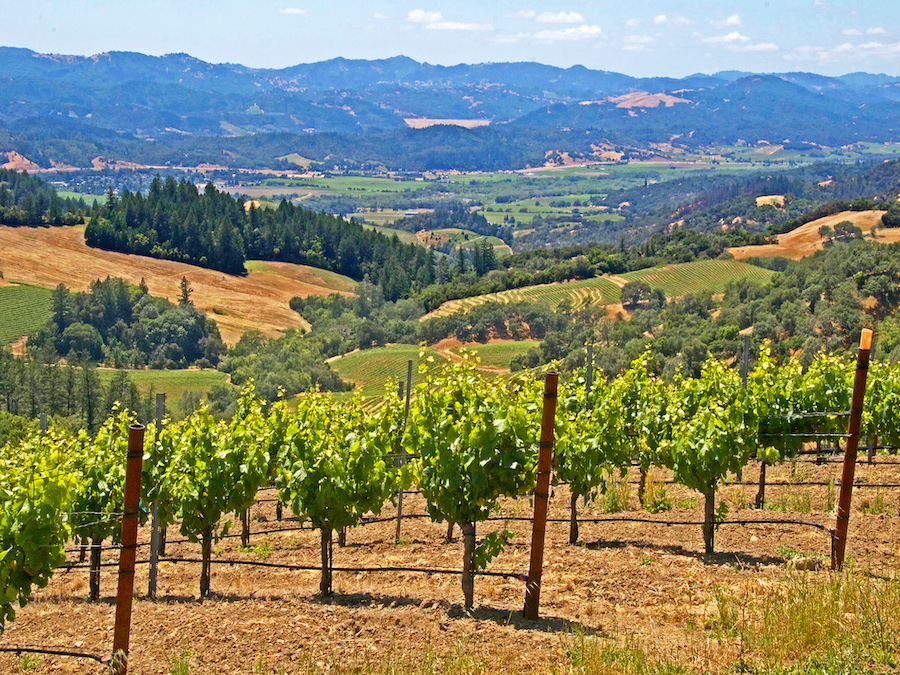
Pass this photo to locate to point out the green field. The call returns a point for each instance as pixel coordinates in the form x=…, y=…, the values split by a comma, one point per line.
x=596, y=291
x=371, y=369
x=498, y=354
x=88, y=199
x=173, y=383
x=402, y=235
x=701, y=276
x=23, y=309
x=343, y=184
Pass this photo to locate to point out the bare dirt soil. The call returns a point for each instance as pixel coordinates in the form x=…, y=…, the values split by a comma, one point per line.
x=46, y=256
x=626, y=582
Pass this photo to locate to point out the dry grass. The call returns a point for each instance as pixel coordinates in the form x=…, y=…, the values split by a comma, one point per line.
x=51, y=256
x=423, y=122
x=774, y=200
x=805, y=240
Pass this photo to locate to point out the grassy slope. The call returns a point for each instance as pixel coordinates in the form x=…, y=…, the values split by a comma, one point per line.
x=173, y=383
x=23, y=309
x=805, y=240
x=259, y=301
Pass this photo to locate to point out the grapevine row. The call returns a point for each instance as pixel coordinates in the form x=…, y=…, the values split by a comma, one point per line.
x=471, y=441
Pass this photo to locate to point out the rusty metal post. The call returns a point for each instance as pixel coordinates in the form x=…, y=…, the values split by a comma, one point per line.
x=842, y=521
x=541, y=497
x=130, y=520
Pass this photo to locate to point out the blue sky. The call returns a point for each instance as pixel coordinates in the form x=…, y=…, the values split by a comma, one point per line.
x=636, y=37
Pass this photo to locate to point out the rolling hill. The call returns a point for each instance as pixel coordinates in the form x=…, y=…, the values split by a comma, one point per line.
x=47, y=257
x=674, y=280
x=805, y=240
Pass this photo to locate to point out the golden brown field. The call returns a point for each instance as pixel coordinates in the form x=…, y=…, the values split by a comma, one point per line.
x=259, y=301
x=805, y=240
x=422, y=123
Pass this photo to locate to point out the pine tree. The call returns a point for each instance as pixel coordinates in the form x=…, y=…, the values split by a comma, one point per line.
x=186, y=290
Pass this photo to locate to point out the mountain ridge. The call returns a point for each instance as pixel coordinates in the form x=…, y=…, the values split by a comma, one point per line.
x=54, y=102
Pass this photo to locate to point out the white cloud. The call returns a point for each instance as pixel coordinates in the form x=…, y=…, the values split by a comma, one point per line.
x=876, y=31
x=852, y=31
x=632, y=23
x=509, y=38
x=758, y=47
x=458, y=25
x=560, y=17
x=634, y=43
x=421, y=16
x=732, y=37
x=662, y=20
x=731, y=21
x=583, y=32
x=435, y=21
x=292, y=10
x=525, y=14
x=873, y=52
x=379, y=15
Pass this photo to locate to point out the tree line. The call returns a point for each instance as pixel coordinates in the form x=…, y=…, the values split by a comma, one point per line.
x=25, y=200
x=213, y=229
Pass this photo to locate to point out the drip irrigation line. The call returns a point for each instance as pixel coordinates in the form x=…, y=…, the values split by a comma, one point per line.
x=56, y=652
x=807, y=435
x=82, y=526
x=87, y=565
x=387, y=519
x=315, y=568
x=667, y=523
x=820, y=483
x=807, y=415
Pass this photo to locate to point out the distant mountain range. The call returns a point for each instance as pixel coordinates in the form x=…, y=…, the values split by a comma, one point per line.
x=64, y=108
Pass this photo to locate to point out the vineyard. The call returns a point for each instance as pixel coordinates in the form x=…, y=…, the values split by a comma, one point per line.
x=597, y=292
x=710, y=276
x=498, y=354
x=701, y=276
x=371, y=369
x=24, y=309
x=639, y=456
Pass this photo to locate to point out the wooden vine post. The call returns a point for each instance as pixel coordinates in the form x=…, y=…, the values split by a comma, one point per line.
x=154, y=507
x=402, y=459
x=130, y=520
x=541, y=498
x=842, y=521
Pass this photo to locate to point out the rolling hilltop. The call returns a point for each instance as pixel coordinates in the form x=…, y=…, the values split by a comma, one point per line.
x=72, y=110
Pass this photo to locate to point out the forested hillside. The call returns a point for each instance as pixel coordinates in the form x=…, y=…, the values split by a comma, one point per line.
x=25, y=200
x=213, y=229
